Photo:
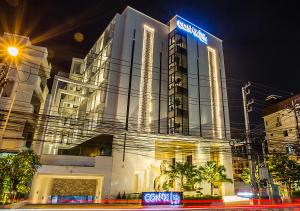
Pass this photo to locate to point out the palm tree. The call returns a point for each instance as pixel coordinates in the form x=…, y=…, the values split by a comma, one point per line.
x=186, y=173
x=213, y=173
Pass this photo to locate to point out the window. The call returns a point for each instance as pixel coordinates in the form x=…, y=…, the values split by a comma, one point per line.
x=1, y=118
x=177, y=62
x=278, y=123
x=172, y=40
x=171, y=78
x=171, y=125
x=171, y=59
x=171, y=81
x=173, y=161
x=214, y=155
x=171, y=100
x=285, y=133
x=8, y=88
x=189, y=159
x=266, y=122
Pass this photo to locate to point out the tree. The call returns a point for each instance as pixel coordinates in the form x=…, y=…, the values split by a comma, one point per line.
x=119, y=196
x=214, y=173
x=246, y=175
x=187, y=174
x=16, y=173
x=124, y=195
x=285, y=171
x=6, y=174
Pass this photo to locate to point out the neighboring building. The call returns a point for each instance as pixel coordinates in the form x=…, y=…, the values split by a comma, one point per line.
x=281, y=119
x=145, y=92
x=239, y=161
x=24, y=92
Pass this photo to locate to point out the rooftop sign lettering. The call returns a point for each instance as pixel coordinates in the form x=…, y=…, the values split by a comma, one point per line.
x=189, y=28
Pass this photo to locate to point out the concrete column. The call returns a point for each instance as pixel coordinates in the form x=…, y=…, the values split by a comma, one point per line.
x=226, y=160
x=179, y=155
x=202, y=155
x=41, y=189
x=98, y=193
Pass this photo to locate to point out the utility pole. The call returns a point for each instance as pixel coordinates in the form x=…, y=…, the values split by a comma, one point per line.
x=247, y=108
x=264, y=176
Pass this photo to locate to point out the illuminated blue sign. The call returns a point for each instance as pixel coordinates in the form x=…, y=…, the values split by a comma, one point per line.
x=161, y=198
x=191, y=29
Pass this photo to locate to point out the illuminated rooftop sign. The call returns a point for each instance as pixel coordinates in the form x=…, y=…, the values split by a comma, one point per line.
x=161, y=198
x=191, y=29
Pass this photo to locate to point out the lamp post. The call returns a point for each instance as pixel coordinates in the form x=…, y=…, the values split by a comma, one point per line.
x=12, y=53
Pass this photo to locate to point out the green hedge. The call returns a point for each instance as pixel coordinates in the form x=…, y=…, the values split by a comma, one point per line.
x=203, y=197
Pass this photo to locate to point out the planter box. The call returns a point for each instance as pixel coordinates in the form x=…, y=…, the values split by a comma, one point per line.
x=15, y=205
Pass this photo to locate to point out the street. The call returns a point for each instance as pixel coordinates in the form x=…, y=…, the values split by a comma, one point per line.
x=98, y=207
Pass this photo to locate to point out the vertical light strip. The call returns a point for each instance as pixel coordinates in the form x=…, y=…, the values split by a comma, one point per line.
x=145, y=107
x=215, y=92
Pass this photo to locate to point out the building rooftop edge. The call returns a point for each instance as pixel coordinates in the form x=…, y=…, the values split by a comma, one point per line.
x=131, y=8
x=282, y=104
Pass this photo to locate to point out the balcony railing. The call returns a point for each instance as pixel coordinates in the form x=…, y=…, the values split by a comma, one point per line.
x=67, y=160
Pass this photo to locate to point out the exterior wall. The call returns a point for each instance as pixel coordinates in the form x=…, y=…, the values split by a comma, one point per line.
x=136, y=172
x=276, y=125
x=60, y=167
x=30, y=76
x=126, y=23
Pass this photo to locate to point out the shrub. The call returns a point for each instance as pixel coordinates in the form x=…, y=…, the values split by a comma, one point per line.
x=296, y=194
x=124, y=195
x=119, y=196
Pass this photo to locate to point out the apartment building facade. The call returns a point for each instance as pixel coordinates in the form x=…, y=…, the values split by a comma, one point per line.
x=281, y=120
x=24, y=93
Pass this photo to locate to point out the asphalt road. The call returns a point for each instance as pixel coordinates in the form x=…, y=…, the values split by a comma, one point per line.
x=99, y=207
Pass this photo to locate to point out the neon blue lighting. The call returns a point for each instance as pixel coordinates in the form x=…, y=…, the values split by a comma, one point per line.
x=191, y=29
x=159, y=198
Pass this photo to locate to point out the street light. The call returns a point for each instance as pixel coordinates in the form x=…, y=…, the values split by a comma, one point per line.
x=13, y=51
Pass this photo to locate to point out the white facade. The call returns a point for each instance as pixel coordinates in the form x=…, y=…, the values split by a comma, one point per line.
x=122, y=89
x=24, y=93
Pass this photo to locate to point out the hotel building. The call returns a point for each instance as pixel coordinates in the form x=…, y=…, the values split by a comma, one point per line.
x=146, y=92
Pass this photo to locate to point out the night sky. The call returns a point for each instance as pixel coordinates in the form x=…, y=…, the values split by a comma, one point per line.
x=261, y=38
